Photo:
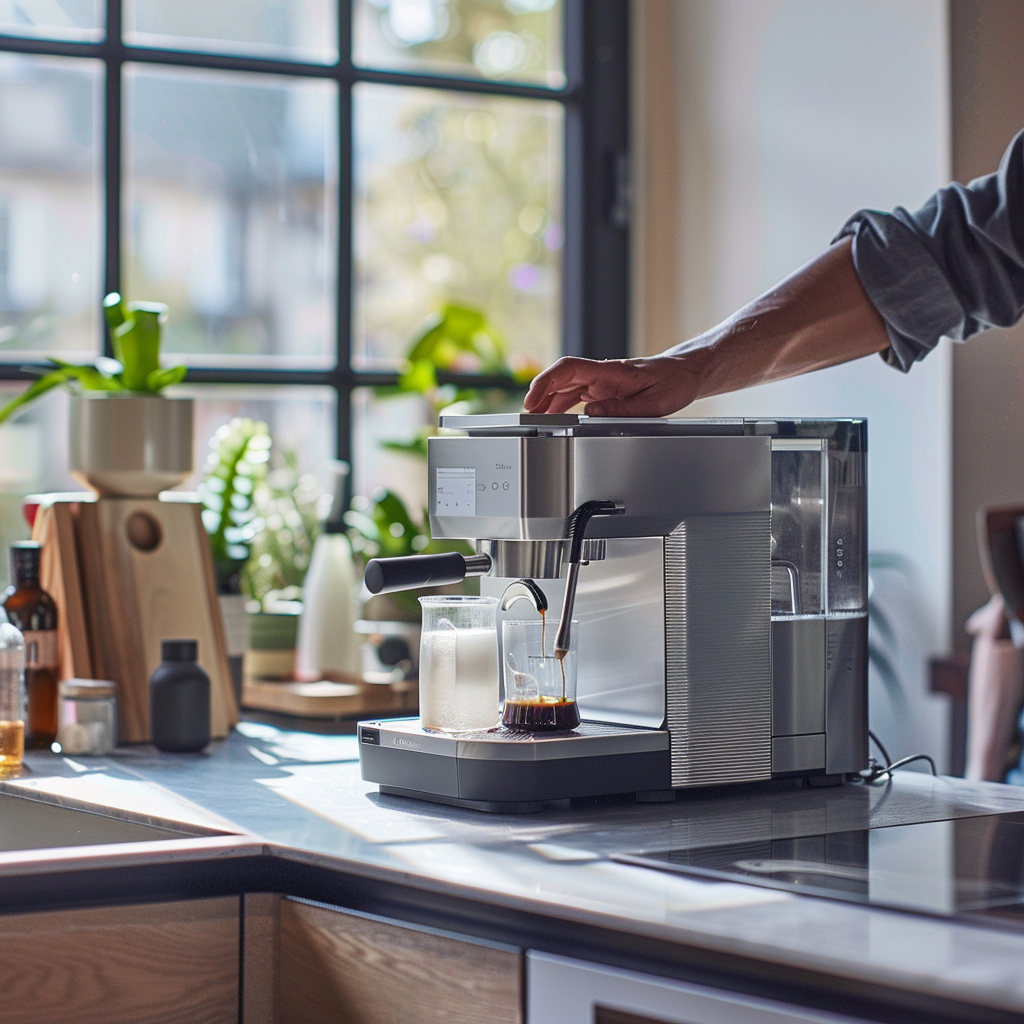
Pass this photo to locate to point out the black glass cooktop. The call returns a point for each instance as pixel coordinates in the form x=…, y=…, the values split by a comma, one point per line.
x=963, y=866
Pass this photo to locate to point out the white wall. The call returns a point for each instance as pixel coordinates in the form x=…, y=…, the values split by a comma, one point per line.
x=791, y=115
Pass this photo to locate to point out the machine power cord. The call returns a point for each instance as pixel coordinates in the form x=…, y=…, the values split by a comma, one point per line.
x=881, y=747
x=876, y=771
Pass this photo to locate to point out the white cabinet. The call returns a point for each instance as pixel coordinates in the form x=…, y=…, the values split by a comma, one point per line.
x=563, y=991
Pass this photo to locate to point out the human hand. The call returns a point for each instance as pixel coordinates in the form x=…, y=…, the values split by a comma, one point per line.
x=654, y=386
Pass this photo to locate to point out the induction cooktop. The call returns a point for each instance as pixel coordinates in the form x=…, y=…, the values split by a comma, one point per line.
x=964, y=866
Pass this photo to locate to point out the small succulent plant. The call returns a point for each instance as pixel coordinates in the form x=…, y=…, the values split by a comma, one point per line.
x=135, y=334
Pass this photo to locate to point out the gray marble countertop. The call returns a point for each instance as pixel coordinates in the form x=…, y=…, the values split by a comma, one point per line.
x=299, y=796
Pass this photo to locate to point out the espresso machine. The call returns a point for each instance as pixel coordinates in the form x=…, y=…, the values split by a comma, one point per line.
x=720, y=596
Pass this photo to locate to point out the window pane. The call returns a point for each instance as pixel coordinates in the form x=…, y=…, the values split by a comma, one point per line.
x=50, y=202
x=510, y=40
x=304, y=30
x=231, y=213
x=457, y=198
x=301, y=421
x=69, y=20
x=34, y=444
x=33, y=458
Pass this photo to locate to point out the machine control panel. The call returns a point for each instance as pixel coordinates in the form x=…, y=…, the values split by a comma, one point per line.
x=480, y=479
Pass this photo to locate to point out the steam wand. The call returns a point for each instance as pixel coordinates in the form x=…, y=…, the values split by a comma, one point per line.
x=577, y=527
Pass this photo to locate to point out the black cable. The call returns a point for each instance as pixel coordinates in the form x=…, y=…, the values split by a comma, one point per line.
x=913, y=757
x=881, y=747
x=877, y=771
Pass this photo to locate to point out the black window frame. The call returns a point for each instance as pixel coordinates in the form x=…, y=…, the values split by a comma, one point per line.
x=595, y=269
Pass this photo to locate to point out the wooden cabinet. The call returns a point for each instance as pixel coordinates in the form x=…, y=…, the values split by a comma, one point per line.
x=156, y=963
x=342, y=967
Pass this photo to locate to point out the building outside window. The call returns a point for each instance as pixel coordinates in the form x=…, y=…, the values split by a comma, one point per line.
x=304, y=183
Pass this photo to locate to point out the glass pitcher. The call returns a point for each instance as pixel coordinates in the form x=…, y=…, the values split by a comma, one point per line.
x=459, y=664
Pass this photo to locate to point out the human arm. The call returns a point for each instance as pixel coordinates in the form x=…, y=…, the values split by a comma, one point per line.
x=817, y=317
x=894, y=283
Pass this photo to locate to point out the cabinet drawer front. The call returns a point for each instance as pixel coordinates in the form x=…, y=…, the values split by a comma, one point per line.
x=339, y=966
x=157, y=962
x=564, y=991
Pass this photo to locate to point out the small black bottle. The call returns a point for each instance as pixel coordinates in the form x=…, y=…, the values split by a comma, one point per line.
x=179, y=700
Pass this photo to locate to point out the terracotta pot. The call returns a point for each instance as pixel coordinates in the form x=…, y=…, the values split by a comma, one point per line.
x=131, y=446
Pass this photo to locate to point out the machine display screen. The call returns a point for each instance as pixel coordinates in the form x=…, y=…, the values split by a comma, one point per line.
x=962, y=866
x=455, y=491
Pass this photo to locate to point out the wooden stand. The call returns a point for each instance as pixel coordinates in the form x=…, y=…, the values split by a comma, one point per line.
x=126, y=574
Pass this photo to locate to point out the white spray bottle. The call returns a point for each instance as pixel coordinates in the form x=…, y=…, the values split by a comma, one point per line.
x=328, y=644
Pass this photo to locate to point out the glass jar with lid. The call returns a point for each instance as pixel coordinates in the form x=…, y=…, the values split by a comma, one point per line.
x=87, y=716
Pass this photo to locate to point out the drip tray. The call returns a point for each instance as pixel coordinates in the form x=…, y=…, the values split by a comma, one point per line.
x=964, y=866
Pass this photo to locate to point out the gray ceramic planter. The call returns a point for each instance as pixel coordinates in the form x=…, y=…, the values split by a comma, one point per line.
x=132, y=446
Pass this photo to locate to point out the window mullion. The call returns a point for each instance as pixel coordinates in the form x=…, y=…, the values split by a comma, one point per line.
x=343, y=419
x=113, y=113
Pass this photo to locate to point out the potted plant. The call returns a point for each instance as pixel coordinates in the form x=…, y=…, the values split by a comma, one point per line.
x=460, y=339
x=288, y=507
x=127, y=439
x=381, y=527
x=236, y=463
x=455, y=339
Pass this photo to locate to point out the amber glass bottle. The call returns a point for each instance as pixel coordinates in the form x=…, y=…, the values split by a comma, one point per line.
x=32, y=610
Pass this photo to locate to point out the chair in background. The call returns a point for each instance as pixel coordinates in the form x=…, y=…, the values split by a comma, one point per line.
x=996, y=678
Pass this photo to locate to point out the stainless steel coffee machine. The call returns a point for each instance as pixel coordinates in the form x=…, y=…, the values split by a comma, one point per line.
x=722, y=613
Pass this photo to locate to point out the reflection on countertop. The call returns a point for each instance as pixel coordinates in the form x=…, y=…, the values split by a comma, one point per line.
x=301, y=796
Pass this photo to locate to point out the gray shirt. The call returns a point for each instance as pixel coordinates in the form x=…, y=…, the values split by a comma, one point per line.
x=953, y=268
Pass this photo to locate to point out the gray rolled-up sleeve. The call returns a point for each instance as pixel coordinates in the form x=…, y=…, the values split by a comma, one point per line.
x=953, y=268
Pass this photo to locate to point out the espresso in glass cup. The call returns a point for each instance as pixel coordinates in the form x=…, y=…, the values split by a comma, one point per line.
x=540, y=687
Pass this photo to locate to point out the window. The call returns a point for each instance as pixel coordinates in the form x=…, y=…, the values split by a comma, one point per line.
x=303, y=182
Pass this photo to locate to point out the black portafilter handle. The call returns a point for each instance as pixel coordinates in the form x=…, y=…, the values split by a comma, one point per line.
x=407, y=572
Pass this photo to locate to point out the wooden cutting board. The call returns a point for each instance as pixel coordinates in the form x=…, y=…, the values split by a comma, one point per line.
x=147, y=575
x=328, y=699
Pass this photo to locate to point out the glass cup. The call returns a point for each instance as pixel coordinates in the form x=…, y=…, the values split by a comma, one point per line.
x=459, y=664
x=540, y=689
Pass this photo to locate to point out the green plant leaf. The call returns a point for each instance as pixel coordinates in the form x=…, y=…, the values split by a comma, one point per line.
x=114, y=312
x=460, y=329
x=416, y=447
x=420, y=375
x=90, y=378
x=39, y=387
x=137, y=343
x=239, y=451
x=395, y=525
x=160, y=379
x=363, y=524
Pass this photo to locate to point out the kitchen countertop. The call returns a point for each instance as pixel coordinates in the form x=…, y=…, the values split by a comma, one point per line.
x=286, y=811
